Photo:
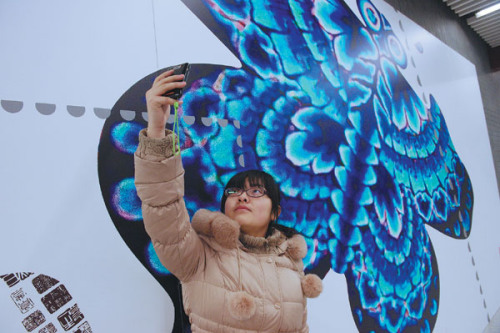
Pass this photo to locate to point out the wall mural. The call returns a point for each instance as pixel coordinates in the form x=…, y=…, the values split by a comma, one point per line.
x=320, y=103
x=29, y=291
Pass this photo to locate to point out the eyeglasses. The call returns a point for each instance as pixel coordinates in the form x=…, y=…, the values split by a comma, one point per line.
x=254, y=192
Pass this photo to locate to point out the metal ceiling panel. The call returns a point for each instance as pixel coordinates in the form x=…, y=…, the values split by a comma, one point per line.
x=488, y=26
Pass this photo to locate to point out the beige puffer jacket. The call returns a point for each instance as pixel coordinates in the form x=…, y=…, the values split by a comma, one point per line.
x=232, y=282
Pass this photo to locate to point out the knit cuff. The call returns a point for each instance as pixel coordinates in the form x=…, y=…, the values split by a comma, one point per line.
x=155, y=148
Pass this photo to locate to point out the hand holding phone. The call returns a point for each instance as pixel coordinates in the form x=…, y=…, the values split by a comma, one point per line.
x=178, y=69
x=165, y=84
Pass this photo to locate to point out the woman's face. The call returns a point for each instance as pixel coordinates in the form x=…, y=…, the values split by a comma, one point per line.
x=253, y=214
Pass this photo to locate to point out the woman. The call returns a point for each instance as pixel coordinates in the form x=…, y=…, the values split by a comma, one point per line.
x=240, y=271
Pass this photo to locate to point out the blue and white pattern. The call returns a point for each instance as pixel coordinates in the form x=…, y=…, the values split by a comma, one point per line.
x=362, y=163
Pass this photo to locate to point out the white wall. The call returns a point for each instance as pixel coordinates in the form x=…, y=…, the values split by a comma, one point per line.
x=54, y=222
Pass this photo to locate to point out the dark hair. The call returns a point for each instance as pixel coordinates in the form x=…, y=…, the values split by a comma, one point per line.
x=260, y=178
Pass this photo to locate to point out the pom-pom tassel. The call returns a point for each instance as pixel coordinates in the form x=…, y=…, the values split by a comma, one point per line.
x=312, y=285
x=241, y=305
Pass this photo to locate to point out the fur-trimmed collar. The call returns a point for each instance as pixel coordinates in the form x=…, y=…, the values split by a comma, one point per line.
x=227, y=233
x=275, y=239
x=270, y=244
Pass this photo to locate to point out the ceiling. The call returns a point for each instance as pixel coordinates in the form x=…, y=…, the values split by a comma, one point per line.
x=488, y=26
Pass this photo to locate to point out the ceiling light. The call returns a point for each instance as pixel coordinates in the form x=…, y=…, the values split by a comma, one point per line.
x=488, y=10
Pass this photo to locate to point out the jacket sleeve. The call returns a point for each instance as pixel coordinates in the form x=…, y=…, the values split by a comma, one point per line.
x=159, y=180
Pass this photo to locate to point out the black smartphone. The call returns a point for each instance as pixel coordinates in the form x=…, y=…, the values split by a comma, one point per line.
x=178, y=69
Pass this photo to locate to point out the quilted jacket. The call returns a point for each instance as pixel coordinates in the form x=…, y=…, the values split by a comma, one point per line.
x=231, y=282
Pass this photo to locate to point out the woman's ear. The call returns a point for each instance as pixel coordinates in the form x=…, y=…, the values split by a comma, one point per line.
x=277, y=215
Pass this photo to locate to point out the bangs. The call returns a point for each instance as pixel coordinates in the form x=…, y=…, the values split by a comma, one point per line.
x=255, y=178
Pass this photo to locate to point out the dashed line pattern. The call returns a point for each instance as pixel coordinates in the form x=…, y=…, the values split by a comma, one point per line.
x=479, y=282
x=76, y=111
x=420, y=49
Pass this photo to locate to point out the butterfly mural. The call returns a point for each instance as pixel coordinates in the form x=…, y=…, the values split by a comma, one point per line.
x=321, y=104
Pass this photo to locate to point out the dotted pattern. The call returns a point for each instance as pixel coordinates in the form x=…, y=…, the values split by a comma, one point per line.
x=478, y=282
x=76, y=111
x=419, y=47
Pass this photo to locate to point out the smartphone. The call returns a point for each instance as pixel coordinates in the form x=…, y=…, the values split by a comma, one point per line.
x=178, y=69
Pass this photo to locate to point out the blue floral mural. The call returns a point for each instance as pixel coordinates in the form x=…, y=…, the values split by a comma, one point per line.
x=320, y=103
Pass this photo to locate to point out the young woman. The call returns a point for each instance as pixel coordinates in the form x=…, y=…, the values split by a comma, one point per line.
x=240, y=271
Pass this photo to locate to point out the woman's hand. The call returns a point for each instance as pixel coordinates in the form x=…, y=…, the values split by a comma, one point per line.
x=159, y=105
